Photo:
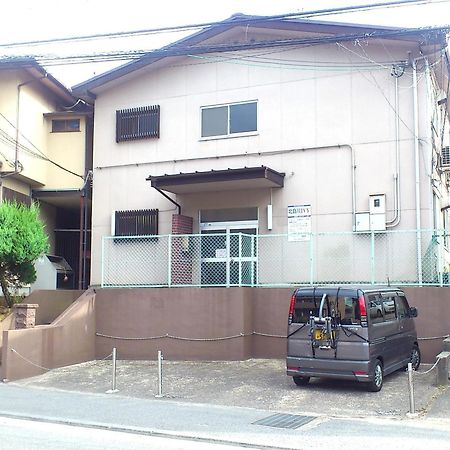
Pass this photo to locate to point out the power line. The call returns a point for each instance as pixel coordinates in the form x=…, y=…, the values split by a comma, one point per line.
x=7, y=139
x=232, y=21
x=178, y=50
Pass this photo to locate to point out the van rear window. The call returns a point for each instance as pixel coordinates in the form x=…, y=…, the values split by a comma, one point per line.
x=345, y=308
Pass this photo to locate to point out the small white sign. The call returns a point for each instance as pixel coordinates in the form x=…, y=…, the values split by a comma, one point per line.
x=299, y=223
x=221, y=252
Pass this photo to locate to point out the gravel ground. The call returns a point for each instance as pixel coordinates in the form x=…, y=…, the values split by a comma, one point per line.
x=255, y=383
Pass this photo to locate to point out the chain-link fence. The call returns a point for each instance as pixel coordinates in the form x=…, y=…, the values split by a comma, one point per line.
x=412, y=257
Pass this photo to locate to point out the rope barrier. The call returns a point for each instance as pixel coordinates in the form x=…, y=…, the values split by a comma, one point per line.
x=28, y=361
x=429, y=370
x=181, y=338
x=253, y=333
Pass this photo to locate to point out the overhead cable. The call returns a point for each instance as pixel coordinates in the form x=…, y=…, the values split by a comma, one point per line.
x=236, y=20
x=179, y=50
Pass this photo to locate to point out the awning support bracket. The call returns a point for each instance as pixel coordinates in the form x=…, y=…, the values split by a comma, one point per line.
x=170, y=199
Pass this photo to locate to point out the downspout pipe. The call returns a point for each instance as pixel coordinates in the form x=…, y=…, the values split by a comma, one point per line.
x=397, y=209
x=19, y=87
x=170, y=199
x=417, y=169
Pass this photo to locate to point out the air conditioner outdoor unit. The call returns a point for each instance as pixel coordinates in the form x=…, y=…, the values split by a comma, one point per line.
x=445, y=158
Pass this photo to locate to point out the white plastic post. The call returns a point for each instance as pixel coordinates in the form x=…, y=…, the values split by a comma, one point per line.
x=114, y=367
x=160, y=375
x=412, y=412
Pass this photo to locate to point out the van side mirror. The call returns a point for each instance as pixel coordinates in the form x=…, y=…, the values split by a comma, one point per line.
x=412, y=311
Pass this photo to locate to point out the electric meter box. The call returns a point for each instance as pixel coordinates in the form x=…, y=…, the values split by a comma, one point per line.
x=377, y=204
x=377, y=209
x=362, y=221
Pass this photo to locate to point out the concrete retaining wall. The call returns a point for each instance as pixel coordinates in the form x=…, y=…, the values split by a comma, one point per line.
x=68, y=340
x=209, y=313
x=204, y=324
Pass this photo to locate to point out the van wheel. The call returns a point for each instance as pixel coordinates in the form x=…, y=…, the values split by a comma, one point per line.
x=376, y=383
x=414, y=358
x=301, y=381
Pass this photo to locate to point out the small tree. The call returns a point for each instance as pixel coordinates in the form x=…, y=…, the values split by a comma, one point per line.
x=22, y=241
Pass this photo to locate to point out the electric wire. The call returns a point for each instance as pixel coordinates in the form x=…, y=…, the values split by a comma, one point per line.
x=190, y=50
x=236, y=20
x=10, y=141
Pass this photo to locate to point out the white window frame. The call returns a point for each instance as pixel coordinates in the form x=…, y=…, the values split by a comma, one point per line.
x=228, y=135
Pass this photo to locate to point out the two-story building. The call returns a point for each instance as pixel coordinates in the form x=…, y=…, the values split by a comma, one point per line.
x=283, y=152
x=46, y=155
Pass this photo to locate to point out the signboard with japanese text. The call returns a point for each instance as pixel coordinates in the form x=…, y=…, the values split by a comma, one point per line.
x=299, y=223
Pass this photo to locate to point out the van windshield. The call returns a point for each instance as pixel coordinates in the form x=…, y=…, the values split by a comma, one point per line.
x=346, y=309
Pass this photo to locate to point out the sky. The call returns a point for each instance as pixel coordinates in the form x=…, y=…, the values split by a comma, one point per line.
x=48, y=19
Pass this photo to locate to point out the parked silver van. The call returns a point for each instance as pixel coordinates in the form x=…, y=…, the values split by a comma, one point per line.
x=350, y=332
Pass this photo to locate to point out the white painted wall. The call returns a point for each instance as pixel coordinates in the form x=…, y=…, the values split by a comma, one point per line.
x=308, y=120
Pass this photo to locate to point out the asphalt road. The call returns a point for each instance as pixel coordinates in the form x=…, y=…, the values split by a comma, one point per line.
x=254, y=383
x=209, y=424
x=19, y=434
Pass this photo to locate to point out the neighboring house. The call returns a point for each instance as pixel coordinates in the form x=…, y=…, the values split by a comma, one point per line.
x=46, y=155
x=264, y=127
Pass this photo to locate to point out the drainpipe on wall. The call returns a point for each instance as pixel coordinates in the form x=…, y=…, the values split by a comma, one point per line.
x=397, y=209
x=417, y=169
x=16, y=153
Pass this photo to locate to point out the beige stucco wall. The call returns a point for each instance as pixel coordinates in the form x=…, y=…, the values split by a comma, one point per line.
x=307, y=121
x=35, y=134
x=67, y=149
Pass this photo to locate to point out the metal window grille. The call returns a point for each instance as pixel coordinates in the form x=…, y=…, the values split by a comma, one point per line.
x=445, y=157
x=137, y=123
x=136, y=223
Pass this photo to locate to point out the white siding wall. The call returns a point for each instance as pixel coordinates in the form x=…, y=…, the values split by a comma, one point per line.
x=307, y=121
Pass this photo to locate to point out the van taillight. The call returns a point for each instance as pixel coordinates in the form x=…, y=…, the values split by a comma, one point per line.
x=291, y=309
x=362, y=309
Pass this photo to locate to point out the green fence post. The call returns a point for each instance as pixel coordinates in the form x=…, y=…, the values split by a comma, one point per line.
x=103, y=262
x=372, y=257
x=169, y=265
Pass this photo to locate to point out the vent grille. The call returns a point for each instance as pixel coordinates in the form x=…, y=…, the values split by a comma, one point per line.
x=445, y=157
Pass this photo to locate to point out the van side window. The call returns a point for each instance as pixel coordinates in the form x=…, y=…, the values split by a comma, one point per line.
x=389, y=307
x=402, y=307
x=375, y=308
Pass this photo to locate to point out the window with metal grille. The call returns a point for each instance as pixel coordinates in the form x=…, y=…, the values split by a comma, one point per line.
x=137, y=123
x=65, y=125
x=13, y=196
x=141, y=222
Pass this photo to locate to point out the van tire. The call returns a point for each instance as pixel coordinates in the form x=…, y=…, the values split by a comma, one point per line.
x=376, y=383
x=301, y=381
x=414, y=358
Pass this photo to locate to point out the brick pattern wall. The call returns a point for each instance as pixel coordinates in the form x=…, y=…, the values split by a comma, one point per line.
x=182, y=224
x=181, y=256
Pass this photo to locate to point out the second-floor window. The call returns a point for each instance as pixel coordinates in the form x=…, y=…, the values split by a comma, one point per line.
x=137, y=123
x=65, y=125
x=228, y=120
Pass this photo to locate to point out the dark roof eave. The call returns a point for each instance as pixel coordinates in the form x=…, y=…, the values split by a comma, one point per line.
x=36, y=70
x=86, y=88
x=214, y=176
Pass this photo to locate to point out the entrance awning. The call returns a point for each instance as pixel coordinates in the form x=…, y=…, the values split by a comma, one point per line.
x=219, y=180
